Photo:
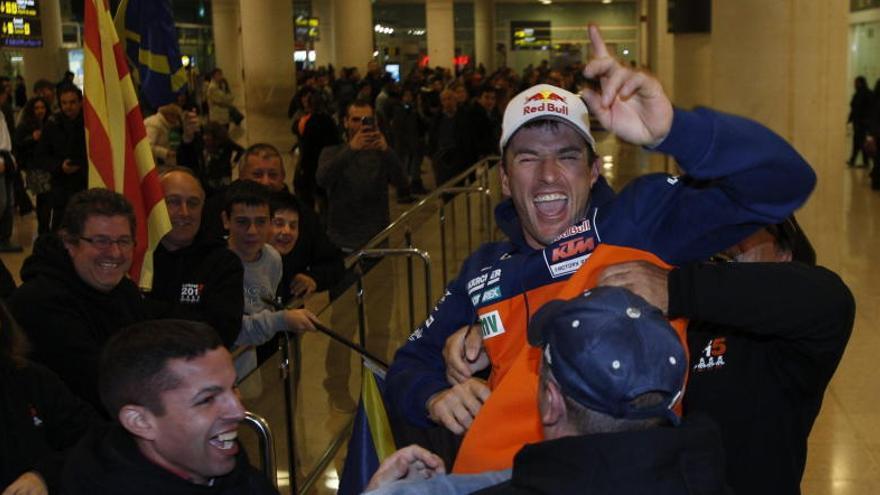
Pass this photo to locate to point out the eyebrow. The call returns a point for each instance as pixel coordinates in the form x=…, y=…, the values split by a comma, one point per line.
x=567, y=149
x=214, y=389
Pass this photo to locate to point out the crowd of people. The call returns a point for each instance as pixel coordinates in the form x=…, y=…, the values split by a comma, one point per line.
x=864, y=117
x=673, y=337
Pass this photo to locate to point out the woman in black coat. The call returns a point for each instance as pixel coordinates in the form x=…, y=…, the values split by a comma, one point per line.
x=27, y=135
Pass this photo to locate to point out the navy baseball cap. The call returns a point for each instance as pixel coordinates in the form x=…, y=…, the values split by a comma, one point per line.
x=608, y=347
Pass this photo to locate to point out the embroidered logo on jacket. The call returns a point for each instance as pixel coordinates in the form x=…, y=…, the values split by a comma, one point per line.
x=191, y=293
x=712, y=356
x=491, y=325
x=568, y=256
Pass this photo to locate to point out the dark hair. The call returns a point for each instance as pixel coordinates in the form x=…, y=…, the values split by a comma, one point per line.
x=69, y=88
x=94, y=202
x=245, y=192
x=13, y=344
x=360, y=103
x=134, y=362
x=216, y=130
x=261, y=150
x=283, y=200
x=43, y=84
x=485, y=88
x=27, y=113
x=790, y=237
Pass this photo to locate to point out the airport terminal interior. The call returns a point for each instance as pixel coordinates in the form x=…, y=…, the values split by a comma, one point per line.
x=789, y=65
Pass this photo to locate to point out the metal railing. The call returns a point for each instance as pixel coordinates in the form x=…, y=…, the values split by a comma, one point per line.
x=473, y=182
x=267, y=445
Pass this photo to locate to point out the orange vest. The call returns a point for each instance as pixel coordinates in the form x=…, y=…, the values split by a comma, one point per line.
x=509, y=418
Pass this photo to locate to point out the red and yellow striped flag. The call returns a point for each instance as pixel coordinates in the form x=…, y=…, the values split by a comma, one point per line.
x=119, y=152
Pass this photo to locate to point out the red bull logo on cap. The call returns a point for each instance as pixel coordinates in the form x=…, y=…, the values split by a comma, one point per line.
x=545, y=101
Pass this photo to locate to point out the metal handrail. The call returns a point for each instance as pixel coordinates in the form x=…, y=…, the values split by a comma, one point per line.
x=267, y=445
x=289, y=366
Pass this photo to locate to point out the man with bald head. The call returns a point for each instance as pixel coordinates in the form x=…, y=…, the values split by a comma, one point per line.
x=196, y=274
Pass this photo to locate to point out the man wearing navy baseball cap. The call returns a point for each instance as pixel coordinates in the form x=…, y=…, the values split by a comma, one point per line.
x=612, y=375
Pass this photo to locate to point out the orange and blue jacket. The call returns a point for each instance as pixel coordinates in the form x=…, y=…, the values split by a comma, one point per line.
x=739, y=176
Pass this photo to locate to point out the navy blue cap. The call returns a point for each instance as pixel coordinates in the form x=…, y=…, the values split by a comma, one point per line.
x=608, y=347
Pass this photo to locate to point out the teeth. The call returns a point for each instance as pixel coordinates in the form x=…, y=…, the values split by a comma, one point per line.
x=228, y=436
x=549, y=197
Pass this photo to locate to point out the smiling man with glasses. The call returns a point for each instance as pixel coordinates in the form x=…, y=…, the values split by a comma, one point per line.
x=76, y=292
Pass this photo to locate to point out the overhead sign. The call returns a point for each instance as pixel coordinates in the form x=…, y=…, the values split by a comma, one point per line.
x=20, y=24
x=306, y=29
x=530, y=35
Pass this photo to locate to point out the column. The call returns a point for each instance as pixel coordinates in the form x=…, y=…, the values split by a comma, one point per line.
x=353, y=33
x=661, y=53
x=441, y=33
x=269, y=75
x=47, y=62
x=787, y=68
x=484, y=33
x=226, y=27
x=325, y=48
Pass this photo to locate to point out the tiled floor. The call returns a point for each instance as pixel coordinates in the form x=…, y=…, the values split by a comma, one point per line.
x=844, y=448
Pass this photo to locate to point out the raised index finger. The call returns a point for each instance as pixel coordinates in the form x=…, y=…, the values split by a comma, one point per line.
x=599, y=48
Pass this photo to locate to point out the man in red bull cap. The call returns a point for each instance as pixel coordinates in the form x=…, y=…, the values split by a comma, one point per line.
x=739, y=176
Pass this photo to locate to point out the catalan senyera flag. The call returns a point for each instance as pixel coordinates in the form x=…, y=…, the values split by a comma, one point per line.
x=116, y=141
x=149, y=39
x=371, y=438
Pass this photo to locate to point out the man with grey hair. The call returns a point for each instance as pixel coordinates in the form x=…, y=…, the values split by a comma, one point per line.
x=612, y=378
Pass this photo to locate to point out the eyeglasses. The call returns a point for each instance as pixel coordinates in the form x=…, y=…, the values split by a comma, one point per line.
x=103, y=242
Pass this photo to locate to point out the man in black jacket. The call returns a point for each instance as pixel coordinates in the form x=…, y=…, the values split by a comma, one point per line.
x=765, y=338
x=197, y=275
x=76, y=293
x=62, y=151
x=170, y=386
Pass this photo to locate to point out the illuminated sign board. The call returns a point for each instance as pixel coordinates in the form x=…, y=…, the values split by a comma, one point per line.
x=20, y=24
x=530, y=35
x=306, y=29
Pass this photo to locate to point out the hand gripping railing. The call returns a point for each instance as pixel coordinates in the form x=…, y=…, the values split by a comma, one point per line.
x=267, y=445
x=409, y=252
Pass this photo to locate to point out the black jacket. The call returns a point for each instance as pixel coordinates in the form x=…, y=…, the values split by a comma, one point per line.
x=201, y=282
x=108, y=461
x=764, y=340
x=68, y=321
x=681, y=460
x=39, y=420
x=63, y=139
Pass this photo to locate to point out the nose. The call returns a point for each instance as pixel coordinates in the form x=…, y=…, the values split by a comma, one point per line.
x=114, y=250
x=184, y=210
x=549, y=169
x=234, y=408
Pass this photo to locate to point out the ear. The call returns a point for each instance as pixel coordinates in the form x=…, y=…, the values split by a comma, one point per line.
x=552, y=405
x=594, y=171
x=505, y=180
x=225, y=219
x=783, y=255
x=138, y=420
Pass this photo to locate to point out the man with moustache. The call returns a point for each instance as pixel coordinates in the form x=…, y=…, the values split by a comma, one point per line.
x=76, y=294
x=196, y=274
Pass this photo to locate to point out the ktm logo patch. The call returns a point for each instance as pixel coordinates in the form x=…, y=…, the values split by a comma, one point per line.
x=572, y=248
